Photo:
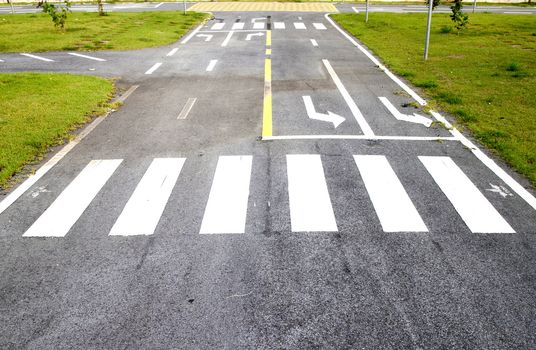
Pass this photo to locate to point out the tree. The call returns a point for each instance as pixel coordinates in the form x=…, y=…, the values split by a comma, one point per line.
x=435, y=3
x=58, y=17
x=459, y=18
x=100, y=8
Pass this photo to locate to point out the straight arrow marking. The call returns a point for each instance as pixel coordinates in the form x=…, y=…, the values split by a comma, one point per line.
x=415, y=118
x=313, y=114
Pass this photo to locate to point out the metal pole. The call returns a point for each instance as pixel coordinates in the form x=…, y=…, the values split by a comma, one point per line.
x=427, y=43
x=184, y=5
x=366, y=11
x=474, y=6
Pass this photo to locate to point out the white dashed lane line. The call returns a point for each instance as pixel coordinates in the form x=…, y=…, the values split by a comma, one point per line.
x=153, y=68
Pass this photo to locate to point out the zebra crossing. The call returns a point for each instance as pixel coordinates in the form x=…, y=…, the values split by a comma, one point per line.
x=309, y=201
x=300, y=25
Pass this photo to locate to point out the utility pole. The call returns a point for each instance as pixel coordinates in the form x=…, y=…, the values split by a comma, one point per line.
x=474, y=6
x=184, y=6
x=12, y=9
x=366, y=11
x=427, y=43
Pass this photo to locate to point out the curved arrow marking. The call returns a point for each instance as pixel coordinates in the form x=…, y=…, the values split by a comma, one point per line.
x=415, y=118
x=313, y=114
x=207, y=37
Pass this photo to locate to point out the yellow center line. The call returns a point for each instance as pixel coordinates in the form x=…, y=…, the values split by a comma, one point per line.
x=269, y=38
x=267, y=106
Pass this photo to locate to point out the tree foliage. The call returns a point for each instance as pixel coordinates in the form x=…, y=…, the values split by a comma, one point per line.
x=100, y=8
x=459, y=18
x=57, y=13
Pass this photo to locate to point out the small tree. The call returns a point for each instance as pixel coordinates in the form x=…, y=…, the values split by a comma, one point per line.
x=11, y=5
x=58, y=17
x=435, y=3
x=459, y=18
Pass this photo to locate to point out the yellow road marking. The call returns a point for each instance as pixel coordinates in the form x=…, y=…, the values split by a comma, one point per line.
x=262, y=6
x=268, y=51
x=267, y=105
x=269, y=38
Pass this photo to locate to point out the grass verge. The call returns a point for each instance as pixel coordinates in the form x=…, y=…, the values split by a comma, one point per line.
x=88, y=31
x=39, y=110
x=484, y=76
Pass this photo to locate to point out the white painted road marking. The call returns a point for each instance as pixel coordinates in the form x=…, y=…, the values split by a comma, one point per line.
x=319, y=26
x=37, y=57
x=160, y=4
x=249, y=36
x=207, y=37
x=258, y=25
x=355, y=9
x=227, y=205
x=392, y=204
x=63, y=213
x=211, y=65
x=279, y=25
x=1, y=60
x=313, y=41
x=88, y=57
x=477, y=212
x=299, y=25
x=143, y=210
x=172, y=52
x=310, y=205
x=415, y=118
x=187, y=108
x=153, y=68
x=218, y=26
x=227, y=38
x=330, y=117
x=238, y=25
x=191, y=35
x=349, y=101
x=127, y=93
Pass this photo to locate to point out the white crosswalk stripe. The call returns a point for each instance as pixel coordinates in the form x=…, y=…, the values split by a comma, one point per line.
x=389, y=198
x=144, y=208
x=218, y=26
x=310, y=205
x=62, y=214
x=299, y=25
x=475, y=210
x=238, y=25
x=279, y=25
x=227, y=205
x=258, y=25
x=319, y=26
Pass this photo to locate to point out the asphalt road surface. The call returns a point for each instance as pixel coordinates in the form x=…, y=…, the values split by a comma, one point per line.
x=266, y=185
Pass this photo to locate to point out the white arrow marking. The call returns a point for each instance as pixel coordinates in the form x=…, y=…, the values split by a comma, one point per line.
x=249, y=36
x=313, y=114
x=503, y=191
x=254, y=20
x=207, y=37
x=415, y=118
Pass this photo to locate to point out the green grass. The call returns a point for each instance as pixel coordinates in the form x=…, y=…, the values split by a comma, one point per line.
x=39, y=110
x=485, y=76
x=88, y=31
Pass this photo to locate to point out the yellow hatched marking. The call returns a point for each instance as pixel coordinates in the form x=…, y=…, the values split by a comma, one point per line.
x=267, y=105
x=262, y=6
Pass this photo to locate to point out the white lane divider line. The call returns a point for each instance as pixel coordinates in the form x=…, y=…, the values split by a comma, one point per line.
x=37, y=57
x=227, y=39
x=258, y=25
x=392, y=204
x=227, y=205
x=218, y=26
x=191, y=35
x=319, y=26
x=187, y=108
x=153, y=68
x=63, y=213
x=173, y=51
x=299, y=25
x=88, y=57
x=355, y=9
x=475, y=210
x=1, y=60
x=279, y=25
x=238, y=25
x=211, y=65
x=141, y=214
x=310, y=205
x=349, y=101
x=207, y=37
x=158, y=5
x=314, y=43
